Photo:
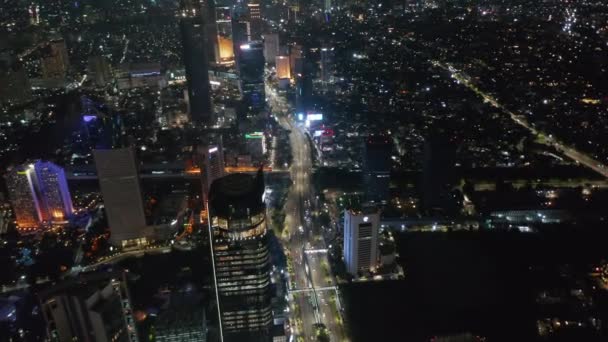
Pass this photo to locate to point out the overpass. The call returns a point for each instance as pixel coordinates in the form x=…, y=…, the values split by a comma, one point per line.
x=167, y=173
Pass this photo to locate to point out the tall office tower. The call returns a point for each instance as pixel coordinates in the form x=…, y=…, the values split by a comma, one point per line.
x=55, y=62
x=282, y=67
x=90, y=308
x=377, y=168
x=271, y=47
x=223, y=27
x=195, y=55
x=251, y=72
x=121, y=190
x=438, y=166
x=327, y=7
x=241, y=260
x=53, y=191
x=303, y=85
x=361, y=240
x=211, y=158
x=14, y=84
x=255, y=20
x=22, y=194
x=256, y=145
x=39, y=194
x=99, y=70
x=183, y=320
x=241, y=30
x=327, y=64
x=295, y=52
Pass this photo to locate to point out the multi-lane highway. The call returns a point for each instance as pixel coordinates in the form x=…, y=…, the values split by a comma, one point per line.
x=313, y=286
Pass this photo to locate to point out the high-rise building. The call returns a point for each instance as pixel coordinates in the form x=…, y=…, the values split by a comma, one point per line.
x=14, y=84
x=271, y=47
x=53, y=191
x=39, y=194
x=55, y=62
x=224, y=53
x=303, y=85
x=361, y=240
x=377, y=168
x=196, y=61
x=438, y=165
x=211, y=158
x=256, y=145
x=241, y=260
x=295, y=52
x=100, y=71
x=91, y=308
x=251, y=73
x=327, y=67
x=282, y=66
x=122, y=197
x=183, y=320
x=255, y=20
x=20, y=184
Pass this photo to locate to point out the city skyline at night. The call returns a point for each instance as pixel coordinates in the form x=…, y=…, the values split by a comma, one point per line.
x=323, y=171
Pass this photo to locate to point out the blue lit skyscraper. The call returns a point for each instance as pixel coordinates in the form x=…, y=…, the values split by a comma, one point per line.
x=39, y=194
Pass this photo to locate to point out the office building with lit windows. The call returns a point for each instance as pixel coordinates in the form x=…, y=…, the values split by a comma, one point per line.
x=241, y=260
x=39, y=194
x=361, y=240
x=90, y=308
x=255, y=19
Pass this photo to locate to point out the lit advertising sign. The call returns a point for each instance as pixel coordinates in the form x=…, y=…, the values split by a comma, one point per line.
x=314, y=117
x=254, y=135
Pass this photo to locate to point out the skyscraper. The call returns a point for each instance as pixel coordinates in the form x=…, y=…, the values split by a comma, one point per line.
x=100, y=70
x=255, y=19
x=327, y=67
x=20, y=184
x=39, y=194
x=54, y=192
x=223, y=29
x=241, y=261
x=271, y=47
x=377, y=168
x=251, y=72
x=361, y=240
x=282, y=67
x=55, y=62
x=195, y=55
x=438, y=167
x=120, y=187
x=303, y=85
x=211, y=158
x=91, y=308
x=14, y=84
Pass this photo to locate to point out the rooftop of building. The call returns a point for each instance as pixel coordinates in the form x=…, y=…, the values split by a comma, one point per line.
x=237, y=195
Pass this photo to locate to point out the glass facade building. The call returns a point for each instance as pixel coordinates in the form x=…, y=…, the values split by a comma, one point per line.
x=39, y=194
x=196, y=60
x=241, y=257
